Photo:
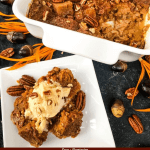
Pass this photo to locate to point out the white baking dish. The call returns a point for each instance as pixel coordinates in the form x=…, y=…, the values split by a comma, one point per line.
x=78, y=43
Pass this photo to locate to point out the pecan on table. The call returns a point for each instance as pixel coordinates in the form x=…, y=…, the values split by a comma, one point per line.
x=80, y=101
x=129, y=92
x=26, y=80
x=16, y=90
x=91, y=21
x=9, y=52
x=136, y=124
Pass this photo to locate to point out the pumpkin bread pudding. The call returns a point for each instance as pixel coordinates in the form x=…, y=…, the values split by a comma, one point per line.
x=54, y=104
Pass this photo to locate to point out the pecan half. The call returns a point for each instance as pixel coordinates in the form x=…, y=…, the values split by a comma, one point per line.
x=33, y=95
x=136, y=124
x=80, y=101
x=26, y=80
x=47, y=92
x=91, y=21
x=129, y=92
x=16, y=90
x=9, y=52
x=27, y=87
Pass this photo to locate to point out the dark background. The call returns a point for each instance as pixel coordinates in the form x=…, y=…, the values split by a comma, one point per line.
x=113, y=86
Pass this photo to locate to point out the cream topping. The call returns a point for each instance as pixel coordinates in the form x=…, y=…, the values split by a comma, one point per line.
x=50, y=100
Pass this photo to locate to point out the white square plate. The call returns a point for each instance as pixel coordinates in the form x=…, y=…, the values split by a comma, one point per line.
x=95, y=130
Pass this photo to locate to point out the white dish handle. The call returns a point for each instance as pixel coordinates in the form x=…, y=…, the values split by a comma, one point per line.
x=88, y=46
x=98, y=49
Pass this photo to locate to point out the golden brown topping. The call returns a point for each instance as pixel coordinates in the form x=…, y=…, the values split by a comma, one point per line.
x=58, y=1
x=58, y=90
x=65, y=77
x=136, y=124
x=129, y=92
x=49, y=4
x=43, y=3
x=63, y=9
x=43, y=78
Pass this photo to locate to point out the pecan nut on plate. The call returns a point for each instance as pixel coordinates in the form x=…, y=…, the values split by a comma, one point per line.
x=80, y=100
x=16, y=90
x=26, y=80
x=136, y=124
x=129, y=92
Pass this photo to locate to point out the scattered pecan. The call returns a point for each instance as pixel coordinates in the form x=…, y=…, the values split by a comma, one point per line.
x=129, y=92
x=33, y=95
x=45, y=15
x=26, y=80
x=136, y=124
x=16, y=90
x=47, y=92
x=9, y=52
x=91, y=21
x=80, y=101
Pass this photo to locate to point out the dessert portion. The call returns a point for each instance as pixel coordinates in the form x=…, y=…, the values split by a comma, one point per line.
x=122, y=21
x=54, y=104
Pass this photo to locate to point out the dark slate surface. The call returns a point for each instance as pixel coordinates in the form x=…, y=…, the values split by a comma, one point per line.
x=112, y=85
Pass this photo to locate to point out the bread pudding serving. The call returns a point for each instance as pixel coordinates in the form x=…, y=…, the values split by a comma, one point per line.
x=54, y=104
x=122, y=21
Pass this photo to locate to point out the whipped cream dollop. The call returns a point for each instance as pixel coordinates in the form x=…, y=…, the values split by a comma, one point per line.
x=46, y=102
